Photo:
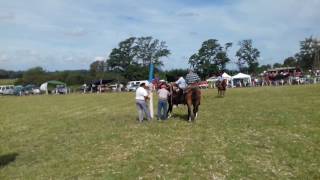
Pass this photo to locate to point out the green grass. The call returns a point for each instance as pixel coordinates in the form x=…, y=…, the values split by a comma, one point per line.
x=252, y=133
x=7, y=81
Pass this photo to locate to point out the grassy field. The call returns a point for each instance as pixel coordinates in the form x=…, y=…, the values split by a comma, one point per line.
x=7, y=81
x=254, y=133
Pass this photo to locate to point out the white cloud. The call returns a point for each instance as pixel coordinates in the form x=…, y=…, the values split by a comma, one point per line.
x=99, y=58
x=76, y=32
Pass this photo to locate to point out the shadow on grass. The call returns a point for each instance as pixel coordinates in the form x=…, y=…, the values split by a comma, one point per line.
x=7, y=159
x=181, y=117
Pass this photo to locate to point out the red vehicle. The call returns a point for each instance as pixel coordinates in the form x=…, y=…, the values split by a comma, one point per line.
x=203, y=84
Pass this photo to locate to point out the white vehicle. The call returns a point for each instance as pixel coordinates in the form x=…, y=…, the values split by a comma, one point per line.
x=36, y=91
x=6, y=89
x=133, y=85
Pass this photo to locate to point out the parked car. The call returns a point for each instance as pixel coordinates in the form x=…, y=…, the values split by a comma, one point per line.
x=85, y=88
x=203, y=84
x=133, y=85
x=3, y=88
x=9, y=90
x=18, y=91
x=36, y=91
x=31, y=89
x=61, y=90
x=133, y=88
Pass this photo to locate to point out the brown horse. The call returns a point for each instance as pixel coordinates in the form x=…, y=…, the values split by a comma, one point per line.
x=192, y=97
x=221, y=85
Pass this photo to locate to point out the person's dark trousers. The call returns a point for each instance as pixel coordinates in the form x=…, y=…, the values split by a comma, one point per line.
x=162, y=109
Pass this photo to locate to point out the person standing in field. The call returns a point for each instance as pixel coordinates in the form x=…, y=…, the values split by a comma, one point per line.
x=163, y=94
x=141, y=98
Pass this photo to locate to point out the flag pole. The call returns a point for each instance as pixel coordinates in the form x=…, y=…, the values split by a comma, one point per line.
x=151, y=69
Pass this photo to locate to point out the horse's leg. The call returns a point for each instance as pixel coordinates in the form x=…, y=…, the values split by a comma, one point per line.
x=189, y=104
x=196, y=103
x=189, y=113
x=169, y=111
x=195, y=109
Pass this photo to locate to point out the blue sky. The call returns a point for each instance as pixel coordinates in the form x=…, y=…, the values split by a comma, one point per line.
x=70, y=34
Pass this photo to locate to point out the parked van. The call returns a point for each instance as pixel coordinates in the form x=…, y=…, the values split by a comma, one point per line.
x=133, y=85
x=4, y=89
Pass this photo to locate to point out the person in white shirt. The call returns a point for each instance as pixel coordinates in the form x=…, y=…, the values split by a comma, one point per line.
x=163, y=94
x=141, y=98
x=181, y=82
x=220, y=77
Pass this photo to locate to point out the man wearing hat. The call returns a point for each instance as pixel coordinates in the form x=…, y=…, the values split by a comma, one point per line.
x=163, y=94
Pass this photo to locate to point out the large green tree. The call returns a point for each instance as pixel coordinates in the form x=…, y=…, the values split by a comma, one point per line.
x=309, y=49
x=151, y=50
x=123, y=56
x=36, y=75
x=210, y=58
x=97, y=67
x=277, y=65
x=133, y=56
x=290, y=62
x=247, y=56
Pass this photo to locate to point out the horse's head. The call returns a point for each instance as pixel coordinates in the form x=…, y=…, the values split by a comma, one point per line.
x=176, y=94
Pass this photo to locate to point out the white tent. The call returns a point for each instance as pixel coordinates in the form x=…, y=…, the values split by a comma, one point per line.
x=213, y=79
x=226, y=76
x=44, y=86
x=245, y=77
x=53, y=84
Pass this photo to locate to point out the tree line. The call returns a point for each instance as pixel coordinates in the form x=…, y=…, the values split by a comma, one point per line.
x=130, y=60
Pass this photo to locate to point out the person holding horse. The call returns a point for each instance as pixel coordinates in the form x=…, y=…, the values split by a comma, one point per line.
x=141, y=97
x=163, y=94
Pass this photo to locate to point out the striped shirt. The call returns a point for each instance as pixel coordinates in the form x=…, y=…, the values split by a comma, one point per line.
x=192, y=78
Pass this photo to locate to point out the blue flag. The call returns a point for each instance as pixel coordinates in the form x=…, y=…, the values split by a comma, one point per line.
x=151, y=69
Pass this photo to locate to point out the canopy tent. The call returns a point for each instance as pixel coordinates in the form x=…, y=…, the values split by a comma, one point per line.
x=226, y=76
x=51, y=85
x=213, y=79
x=241, y=76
